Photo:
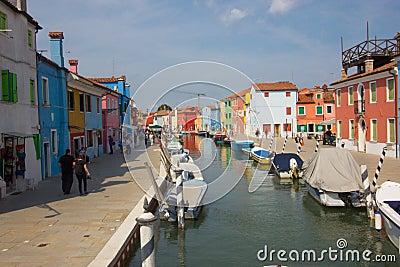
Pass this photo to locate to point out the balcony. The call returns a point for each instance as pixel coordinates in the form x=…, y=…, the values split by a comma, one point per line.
x=359, y=107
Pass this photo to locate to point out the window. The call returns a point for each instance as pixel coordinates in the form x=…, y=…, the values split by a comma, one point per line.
x=287, y=94
x=372, y=98
x=3, y=22
x=9, y=86
x=89, y=138
x=339, y=129
x=98, y=105
x=287, y=127
x=318, y=110
x=390, y=89
x=266, y=94
x=318, y=96
x=302, y=110
x=374, y=130
x=351, y=129
x=351, y=97
x=29, y=38
x=288, y=111
x=71, y=101
x=108, y=105
x=391, y=131
x=81, y=102
x=54, y=142
x=328, y=109
x=32, y=92
x=338, y=98
x=88, y=103
x=45, y=91
x=234, y=102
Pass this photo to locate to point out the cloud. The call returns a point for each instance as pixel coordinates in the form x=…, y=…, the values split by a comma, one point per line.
x=281, y=6
x=233, y=15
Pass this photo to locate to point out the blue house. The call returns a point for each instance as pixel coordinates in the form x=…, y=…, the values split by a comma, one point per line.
x=52, y=106
x=215, y=118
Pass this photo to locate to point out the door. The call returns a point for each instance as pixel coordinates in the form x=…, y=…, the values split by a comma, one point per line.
x=277, y=130
x=95, y=144
x=77, y=146
x=46, y=148
x=361, y=135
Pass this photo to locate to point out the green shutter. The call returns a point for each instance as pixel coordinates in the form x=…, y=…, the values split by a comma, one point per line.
x=5, y=83
x=29, y=38
x=36, y=142
x=14, y=87
x=373, y=92
x=32, y=91
x=391, y=89
x=391, y=131
x=3, y=21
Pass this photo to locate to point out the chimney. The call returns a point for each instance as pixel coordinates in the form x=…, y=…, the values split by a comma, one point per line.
x=21, y=5
x=56, y=47
x=73, y=66
x=343, y=73
x=369, y=65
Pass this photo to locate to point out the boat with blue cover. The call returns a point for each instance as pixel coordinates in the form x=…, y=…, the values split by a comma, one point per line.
x=261, y=155
x=287, y=165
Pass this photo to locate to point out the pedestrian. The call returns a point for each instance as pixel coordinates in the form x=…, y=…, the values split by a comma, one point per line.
x=111, y=143
x=67, y=164
x=257, y=133
x=82, y=172
x=151, y=139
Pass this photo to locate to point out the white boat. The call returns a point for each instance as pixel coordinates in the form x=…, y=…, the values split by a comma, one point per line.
x=387, y=198
x=333, y=178
x=287, y=165
x=261, y=155
x=174, y=147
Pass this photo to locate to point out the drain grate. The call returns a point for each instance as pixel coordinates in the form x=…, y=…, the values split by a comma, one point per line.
x=86, y=235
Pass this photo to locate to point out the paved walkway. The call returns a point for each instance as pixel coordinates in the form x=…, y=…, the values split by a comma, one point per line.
x=44, y=227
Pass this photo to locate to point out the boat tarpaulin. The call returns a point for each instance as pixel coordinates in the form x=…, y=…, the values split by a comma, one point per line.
x=333, y=170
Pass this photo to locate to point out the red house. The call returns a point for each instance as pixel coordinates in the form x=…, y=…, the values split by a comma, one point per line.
x=186, y=118
x=366, y=100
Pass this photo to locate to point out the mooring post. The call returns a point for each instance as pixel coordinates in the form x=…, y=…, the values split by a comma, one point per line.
x=180, y=203
x=378, y=168
x=316, y=146
x=367, y=189
x=284, y=144
x=146, y=221
x=270, y=143
x=298, y=148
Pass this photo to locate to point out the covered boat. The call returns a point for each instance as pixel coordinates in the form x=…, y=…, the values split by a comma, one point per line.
x=239, y=145
x=333, y=178
x=287, y=165
x=387, y=198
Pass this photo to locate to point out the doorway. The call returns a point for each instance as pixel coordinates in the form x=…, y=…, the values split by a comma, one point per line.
x=361, y=135
x=277, y=128
x=46, y=148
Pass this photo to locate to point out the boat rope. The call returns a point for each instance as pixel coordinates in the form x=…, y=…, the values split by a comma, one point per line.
x=378, y=169
x=284, y=144
x=316, y=147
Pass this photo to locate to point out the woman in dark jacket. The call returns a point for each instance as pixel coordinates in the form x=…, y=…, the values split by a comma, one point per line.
x=82, y=172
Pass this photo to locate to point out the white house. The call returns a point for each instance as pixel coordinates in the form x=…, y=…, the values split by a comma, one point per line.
x=19, y=122
x=272, y=109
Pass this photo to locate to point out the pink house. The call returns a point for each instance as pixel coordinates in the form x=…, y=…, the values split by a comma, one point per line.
x=111, y=125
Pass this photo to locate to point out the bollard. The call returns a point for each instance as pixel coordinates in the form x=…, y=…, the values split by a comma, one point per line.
x=270, y=143
x=284, y=144
x=342, y=144
x=367, y=189
x=378, y=169
x=146, y=221
x=299, y=148
x=316, y=146
x=180, y=203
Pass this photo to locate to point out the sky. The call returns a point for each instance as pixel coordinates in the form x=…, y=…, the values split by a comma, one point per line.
x=262, y=40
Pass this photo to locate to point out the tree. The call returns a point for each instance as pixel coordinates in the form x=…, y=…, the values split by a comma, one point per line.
x=164, y=107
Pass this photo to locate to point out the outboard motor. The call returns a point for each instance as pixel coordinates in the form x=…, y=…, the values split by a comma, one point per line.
x=294, y=169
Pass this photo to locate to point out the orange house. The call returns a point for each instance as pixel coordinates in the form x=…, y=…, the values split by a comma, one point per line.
x=316, y=110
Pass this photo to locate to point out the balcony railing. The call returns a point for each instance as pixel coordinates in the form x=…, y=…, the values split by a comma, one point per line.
x=359, y=107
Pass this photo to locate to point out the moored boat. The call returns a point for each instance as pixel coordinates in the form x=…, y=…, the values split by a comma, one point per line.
x=287, y=165
x=219, y=137
x=261, y=155
x=333, y=178
x=387, y=198
x=239, y=145
x=201, y=133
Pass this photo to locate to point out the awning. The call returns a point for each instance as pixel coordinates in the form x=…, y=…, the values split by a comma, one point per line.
x=328, y=122
x=17, y=134
x=155, y=126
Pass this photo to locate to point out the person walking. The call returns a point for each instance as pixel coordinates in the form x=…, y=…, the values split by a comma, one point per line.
x=151, y=139
x=111, y=143
x=67, y=164
x=82, y=172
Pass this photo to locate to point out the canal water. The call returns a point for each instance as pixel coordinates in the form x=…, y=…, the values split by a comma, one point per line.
x=248, y=229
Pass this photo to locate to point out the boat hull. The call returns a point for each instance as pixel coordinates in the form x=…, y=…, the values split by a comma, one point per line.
x=260, y=155
x=239, y=145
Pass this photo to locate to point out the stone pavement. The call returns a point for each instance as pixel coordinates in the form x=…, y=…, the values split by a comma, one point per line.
x=390, y=168
x=44, y=227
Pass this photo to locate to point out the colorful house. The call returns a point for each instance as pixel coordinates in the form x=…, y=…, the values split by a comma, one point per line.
x=366, y=101
x=110, y=110
x=186, y=118
x=52, y=105
x=85, y=115
x=238, y=104
x=316, y=110
x=273, y=109
x=19, y=120
x=215, y=118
